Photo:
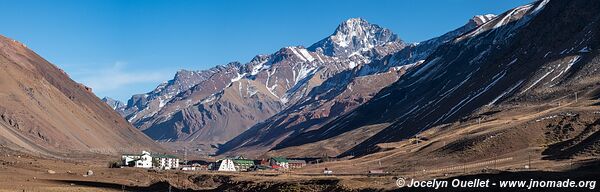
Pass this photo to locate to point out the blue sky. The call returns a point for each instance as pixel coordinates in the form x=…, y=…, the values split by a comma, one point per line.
x=120, y=48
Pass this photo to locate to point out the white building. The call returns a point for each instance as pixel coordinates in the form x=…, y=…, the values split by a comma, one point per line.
x=166, y=161
x=146, y=160
x=143, y=160
x=226, y=165
x=188, y=168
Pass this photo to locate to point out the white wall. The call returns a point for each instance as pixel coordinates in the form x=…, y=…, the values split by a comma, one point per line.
x=227, y=165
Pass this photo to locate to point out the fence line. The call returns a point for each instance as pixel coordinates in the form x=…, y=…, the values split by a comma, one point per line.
x=473, y=165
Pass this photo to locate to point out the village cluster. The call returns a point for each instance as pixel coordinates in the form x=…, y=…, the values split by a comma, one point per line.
x=167, y=162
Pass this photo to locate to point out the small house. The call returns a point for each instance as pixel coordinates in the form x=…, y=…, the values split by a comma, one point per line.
x=326, y=171
x=262, y=162
x=259, y=167
x=296, y=164
x=188, y=168
x=279, y=163
x=143, y=160
x=196, y=165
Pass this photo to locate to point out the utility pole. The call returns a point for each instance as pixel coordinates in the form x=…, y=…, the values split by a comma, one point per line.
x=417, y=139
x=168, y=181
x=413, y=168
x=529, y=164
x=575, y=97
x=496, y=161
x=571, y=162
x=170, y=187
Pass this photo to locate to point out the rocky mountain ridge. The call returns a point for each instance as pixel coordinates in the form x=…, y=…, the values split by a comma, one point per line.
x=337, y=96
x=202, y=105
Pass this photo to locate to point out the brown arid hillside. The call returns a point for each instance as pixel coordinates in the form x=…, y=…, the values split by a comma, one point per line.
x=543, y=142
x=43, y=111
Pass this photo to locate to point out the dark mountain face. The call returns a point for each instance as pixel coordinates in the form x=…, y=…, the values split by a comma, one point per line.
x=337, y=95
x=531, y=54
x=417, y=53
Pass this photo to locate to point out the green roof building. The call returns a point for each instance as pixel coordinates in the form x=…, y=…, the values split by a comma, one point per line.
x=164, y=156
x=242, y=164
x=280, y=159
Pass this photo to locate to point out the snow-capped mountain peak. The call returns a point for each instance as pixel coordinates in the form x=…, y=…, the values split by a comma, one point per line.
x=481, y=19
x=352, y=36
x=353, y=27
x=113, y=103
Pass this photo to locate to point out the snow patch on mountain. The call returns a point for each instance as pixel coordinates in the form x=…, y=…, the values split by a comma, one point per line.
x=306, y=55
